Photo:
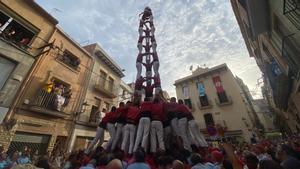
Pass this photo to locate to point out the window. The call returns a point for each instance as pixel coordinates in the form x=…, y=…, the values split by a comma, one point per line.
x=7, y=68
x=188, y=103
x=3, y=18
x=95, y=115
x=185, y=91
x=110, y=84
x=209, y=120
x=102, y=79
x=203, y=100
x=15, y=32
x=69, y=59
x=222, y=97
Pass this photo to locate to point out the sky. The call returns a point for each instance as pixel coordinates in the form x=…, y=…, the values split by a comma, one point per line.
x=188, y=32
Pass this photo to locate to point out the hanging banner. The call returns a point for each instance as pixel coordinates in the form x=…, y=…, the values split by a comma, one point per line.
x=218, y=84
x=185, y=91
x=201, y=89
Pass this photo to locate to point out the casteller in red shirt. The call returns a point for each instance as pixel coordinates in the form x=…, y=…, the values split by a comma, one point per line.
x=133, y=115
x=157, y=111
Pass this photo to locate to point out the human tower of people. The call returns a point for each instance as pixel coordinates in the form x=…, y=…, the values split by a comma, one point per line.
x=133, y=125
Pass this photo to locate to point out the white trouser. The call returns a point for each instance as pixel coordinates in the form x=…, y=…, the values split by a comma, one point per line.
x=182, y=126
x=174, y=126
x=118, y=135
x=198, y=136
x=112, y=132
x=99, y=136
x=156, y=135
x=138, y=69
x=167, y=136
x=155, y=68
x=142, y=133
x=129, y=133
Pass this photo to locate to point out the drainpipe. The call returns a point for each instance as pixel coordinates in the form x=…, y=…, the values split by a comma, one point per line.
x=25, y=84
x=85, y=84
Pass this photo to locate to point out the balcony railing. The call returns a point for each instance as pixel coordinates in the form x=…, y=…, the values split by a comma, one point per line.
x=203, y=107
x=70, y=61
x=224, y=103
x=291, y=9
x=280, y=85
x=107, y=87
x=49, y=104
x=290, y=52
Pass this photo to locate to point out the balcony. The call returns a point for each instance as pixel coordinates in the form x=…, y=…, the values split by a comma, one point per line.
x=205, y=106
x=69, y=60
x=280, y=85
x=290, y=52
x=15, y=33
x=49, y=104
x=291, y=9
x=107, y=88
x=226, y=102
x=259, y=18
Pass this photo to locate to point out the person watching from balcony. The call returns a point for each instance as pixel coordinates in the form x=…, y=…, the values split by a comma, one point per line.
x=59, y=99
x=67, y=94
x=48, y=87
x=9, y=33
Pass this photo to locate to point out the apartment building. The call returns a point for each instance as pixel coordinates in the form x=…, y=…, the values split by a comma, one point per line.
x=125, y=92
x=215, y=99
x=103, y=90
x=271, y=33
x=25, y=32
x=53, y=97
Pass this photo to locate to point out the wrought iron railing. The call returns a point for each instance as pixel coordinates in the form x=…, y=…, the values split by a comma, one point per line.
x=71, y=61
x=291, y=9
x=48, y=101
x=290, y=53
x=107, y=86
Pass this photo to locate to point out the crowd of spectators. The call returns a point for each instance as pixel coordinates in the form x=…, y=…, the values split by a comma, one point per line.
x=266, y=154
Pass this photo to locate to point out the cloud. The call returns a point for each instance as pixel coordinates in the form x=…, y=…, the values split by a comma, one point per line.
x=188, y=32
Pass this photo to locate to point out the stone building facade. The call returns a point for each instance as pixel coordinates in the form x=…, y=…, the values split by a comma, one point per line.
x=53, y=97
x=215, y=99
x=102, y=93
x=25, y=32
x=271, y=33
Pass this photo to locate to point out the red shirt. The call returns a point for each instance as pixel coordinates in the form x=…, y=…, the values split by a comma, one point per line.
x=121, y=114
x=157, y=112
x=171, y=107
x=181, y=108
x=146, y=106
x=109, y=117
x=133, y=114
